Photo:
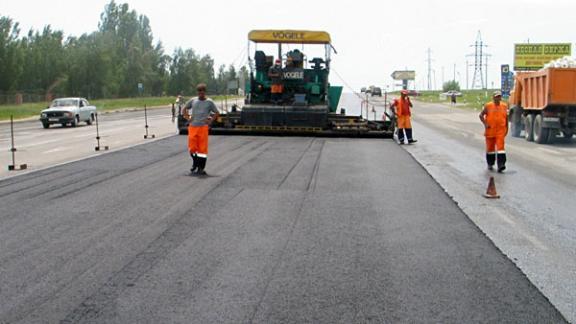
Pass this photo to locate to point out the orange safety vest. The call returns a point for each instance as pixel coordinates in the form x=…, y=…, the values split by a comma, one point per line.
x=497, y=119
x=402, y=107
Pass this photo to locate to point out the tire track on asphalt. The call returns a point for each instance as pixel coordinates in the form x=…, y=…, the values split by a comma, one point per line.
x=177, y=233
x=297, y=163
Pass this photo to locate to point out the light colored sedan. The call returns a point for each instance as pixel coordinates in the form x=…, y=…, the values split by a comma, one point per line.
x=68, y=111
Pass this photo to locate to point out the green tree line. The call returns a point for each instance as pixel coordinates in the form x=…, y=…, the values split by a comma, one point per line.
x=107, y=63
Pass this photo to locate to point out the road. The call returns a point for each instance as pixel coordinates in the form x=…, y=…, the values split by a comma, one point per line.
x=286, y=230
x=40, y=148
x=533, y=223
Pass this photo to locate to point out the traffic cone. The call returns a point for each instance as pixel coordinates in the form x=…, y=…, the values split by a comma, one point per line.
x=491, y=191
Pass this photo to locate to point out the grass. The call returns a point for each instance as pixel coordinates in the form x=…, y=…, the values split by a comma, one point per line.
x=33, y=109
x=471, y=99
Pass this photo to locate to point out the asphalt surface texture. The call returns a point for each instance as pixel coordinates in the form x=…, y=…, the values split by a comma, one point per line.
x=293, y=230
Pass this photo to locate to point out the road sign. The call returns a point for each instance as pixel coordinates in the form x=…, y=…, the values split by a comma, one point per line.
x=530, y=57
x=404, y=75
x=506, y=78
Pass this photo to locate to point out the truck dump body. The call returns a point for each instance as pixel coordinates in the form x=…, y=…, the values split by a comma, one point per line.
x=543, y=105
x=548, y=87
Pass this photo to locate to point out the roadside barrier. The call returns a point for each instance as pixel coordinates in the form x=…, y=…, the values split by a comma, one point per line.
x=13, y=166
x=146, y=122
x=98, y=147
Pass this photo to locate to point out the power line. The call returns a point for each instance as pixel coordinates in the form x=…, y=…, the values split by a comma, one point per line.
x=429, y=60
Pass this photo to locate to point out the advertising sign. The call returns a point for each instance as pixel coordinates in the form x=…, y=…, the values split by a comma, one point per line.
x=530, y=57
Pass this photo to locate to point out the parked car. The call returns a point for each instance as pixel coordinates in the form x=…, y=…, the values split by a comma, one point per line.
x=376, y=91
x=363, y=89
x=68, y=111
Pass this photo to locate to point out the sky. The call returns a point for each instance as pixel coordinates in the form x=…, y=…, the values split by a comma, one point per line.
x=373, y=38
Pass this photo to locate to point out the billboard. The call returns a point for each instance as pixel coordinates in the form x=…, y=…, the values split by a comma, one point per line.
x=404, y=75
x=530, y=57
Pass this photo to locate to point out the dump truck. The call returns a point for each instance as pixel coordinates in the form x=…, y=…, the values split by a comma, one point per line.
x=308, y=103
x=543, y=104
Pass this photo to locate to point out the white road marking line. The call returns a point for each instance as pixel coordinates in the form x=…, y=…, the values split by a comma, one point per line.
x=58, y=149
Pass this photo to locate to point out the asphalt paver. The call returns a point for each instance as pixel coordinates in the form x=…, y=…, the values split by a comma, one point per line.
x=284, y=230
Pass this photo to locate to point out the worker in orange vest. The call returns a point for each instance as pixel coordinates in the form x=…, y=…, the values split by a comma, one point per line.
x=494, y=116
x=402, y=107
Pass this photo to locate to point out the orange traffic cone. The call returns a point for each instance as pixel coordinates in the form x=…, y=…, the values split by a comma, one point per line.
x=491, y=191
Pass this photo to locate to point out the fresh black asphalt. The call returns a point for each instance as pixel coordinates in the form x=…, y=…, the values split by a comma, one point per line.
x=286, y=230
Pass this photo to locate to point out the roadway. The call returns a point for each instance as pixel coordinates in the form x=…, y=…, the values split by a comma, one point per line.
x=40, y=148
x=533, y=223
x=285, y=230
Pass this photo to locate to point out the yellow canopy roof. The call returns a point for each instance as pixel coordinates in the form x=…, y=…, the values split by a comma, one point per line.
x=289, y=36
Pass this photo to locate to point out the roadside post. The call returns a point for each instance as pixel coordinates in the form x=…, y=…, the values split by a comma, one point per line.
x=147, y=136
x=14, y=167
x=98, y=147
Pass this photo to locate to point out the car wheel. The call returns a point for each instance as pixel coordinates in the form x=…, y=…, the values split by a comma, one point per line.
x=528, y=126
x=567, y=134
x=75, y=121
x=541, y=134
x=91, y=120
x=45, y=124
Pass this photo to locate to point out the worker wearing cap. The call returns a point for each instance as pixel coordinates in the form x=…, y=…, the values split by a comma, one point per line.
x=201, y=112
x=402, y=107
x=494, y=116
x=275, y=75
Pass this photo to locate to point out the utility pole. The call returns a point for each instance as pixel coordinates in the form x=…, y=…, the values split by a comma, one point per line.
x=479, y=58
x=429, y=69
x=442, y=76
x=467, y=75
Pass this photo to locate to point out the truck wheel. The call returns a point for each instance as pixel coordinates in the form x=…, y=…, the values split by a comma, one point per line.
x=567, y=134
x=45, y=124
x=528, y=125
x=515, y=124
x=91, y=120
x=515, y=128
x=541, y=134
x=75, y=121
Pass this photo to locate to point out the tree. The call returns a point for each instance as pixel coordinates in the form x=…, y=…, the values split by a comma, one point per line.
x=10, y=54
x=451, y=85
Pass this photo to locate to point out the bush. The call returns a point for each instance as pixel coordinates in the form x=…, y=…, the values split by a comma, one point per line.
x=451, y=85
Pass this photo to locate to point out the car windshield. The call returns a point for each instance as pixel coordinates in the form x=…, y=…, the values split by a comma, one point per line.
x=64, y=103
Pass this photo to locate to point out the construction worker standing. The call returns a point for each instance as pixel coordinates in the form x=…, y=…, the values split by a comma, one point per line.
x=276, y=89
x=201, y=112
x=402, y=107
x=494, y=116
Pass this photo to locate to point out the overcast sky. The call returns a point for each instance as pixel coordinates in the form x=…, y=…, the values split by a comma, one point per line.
x=373, y=38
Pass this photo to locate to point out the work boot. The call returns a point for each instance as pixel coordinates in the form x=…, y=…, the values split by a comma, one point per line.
x=409, y=136
x=490, y=160
x=194, y=162
x=400, y=136
x=501, y=158
x=201, y=166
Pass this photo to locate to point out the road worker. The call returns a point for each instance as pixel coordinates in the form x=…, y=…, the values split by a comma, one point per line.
x=494, y=116
x=201, y=112
x=401, y=107
x=275, y=75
